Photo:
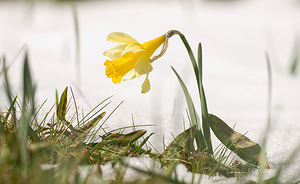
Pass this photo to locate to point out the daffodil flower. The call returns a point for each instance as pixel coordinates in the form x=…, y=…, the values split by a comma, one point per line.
x=131, y=57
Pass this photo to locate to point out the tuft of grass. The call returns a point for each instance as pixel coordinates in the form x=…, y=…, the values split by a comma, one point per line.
x=28, y=142
x=63, y=142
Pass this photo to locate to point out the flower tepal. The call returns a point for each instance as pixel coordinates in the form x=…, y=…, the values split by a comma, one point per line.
x=130, y=57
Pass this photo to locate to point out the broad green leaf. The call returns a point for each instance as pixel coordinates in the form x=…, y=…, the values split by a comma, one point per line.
x=62, y=106
x=179, y=148
x=245, y=148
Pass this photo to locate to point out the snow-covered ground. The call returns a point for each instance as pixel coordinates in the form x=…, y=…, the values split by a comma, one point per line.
x=235, y=35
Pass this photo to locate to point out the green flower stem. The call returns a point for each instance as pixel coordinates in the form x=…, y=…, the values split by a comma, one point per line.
x=189, y=50
x=198, y=74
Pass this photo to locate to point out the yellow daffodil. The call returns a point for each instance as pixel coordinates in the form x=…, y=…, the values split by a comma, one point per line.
x=131, y=57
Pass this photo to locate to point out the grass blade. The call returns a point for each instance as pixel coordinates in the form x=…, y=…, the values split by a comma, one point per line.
x=143, y=143
x=24, y=128
x=29, y=88
x=11, y=108
x=269, y=115
x=6, y=81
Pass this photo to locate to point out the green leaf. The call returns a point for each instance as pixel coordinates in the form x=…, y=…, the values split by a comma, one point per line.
x=6, y=80
x=179, y=148
x=11, y=108
x=125, y=139
x=201, y=144
x=11, y=111
x=29, y=88
x=198, y=75
x=28, y=111
x=245, y=148
x=142, y=144
x=192, y=112
x=62, y=106
x=135, y=135
x=81, y=133
x=204, y=111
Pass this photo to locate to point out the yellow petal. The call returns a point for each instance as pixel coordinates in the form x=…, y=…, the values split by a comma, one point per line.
x=120, y=37
x=133, y=48
x=152, y=45
x=143, y=64
x=132, y=75
x=116, y=69
x=115, y=52
x=146, y=85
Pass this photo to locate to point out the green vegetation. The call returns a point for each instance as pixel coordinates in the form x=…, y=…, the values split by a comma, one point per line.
x=51, y=148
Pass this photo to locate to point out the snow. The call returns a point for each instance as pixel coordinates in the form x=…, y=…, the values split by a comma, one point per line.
x=235, y=36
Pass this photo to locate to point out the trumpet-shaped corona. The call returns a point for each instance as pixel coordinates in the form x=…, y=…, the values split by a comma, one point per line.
x=130, y=57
